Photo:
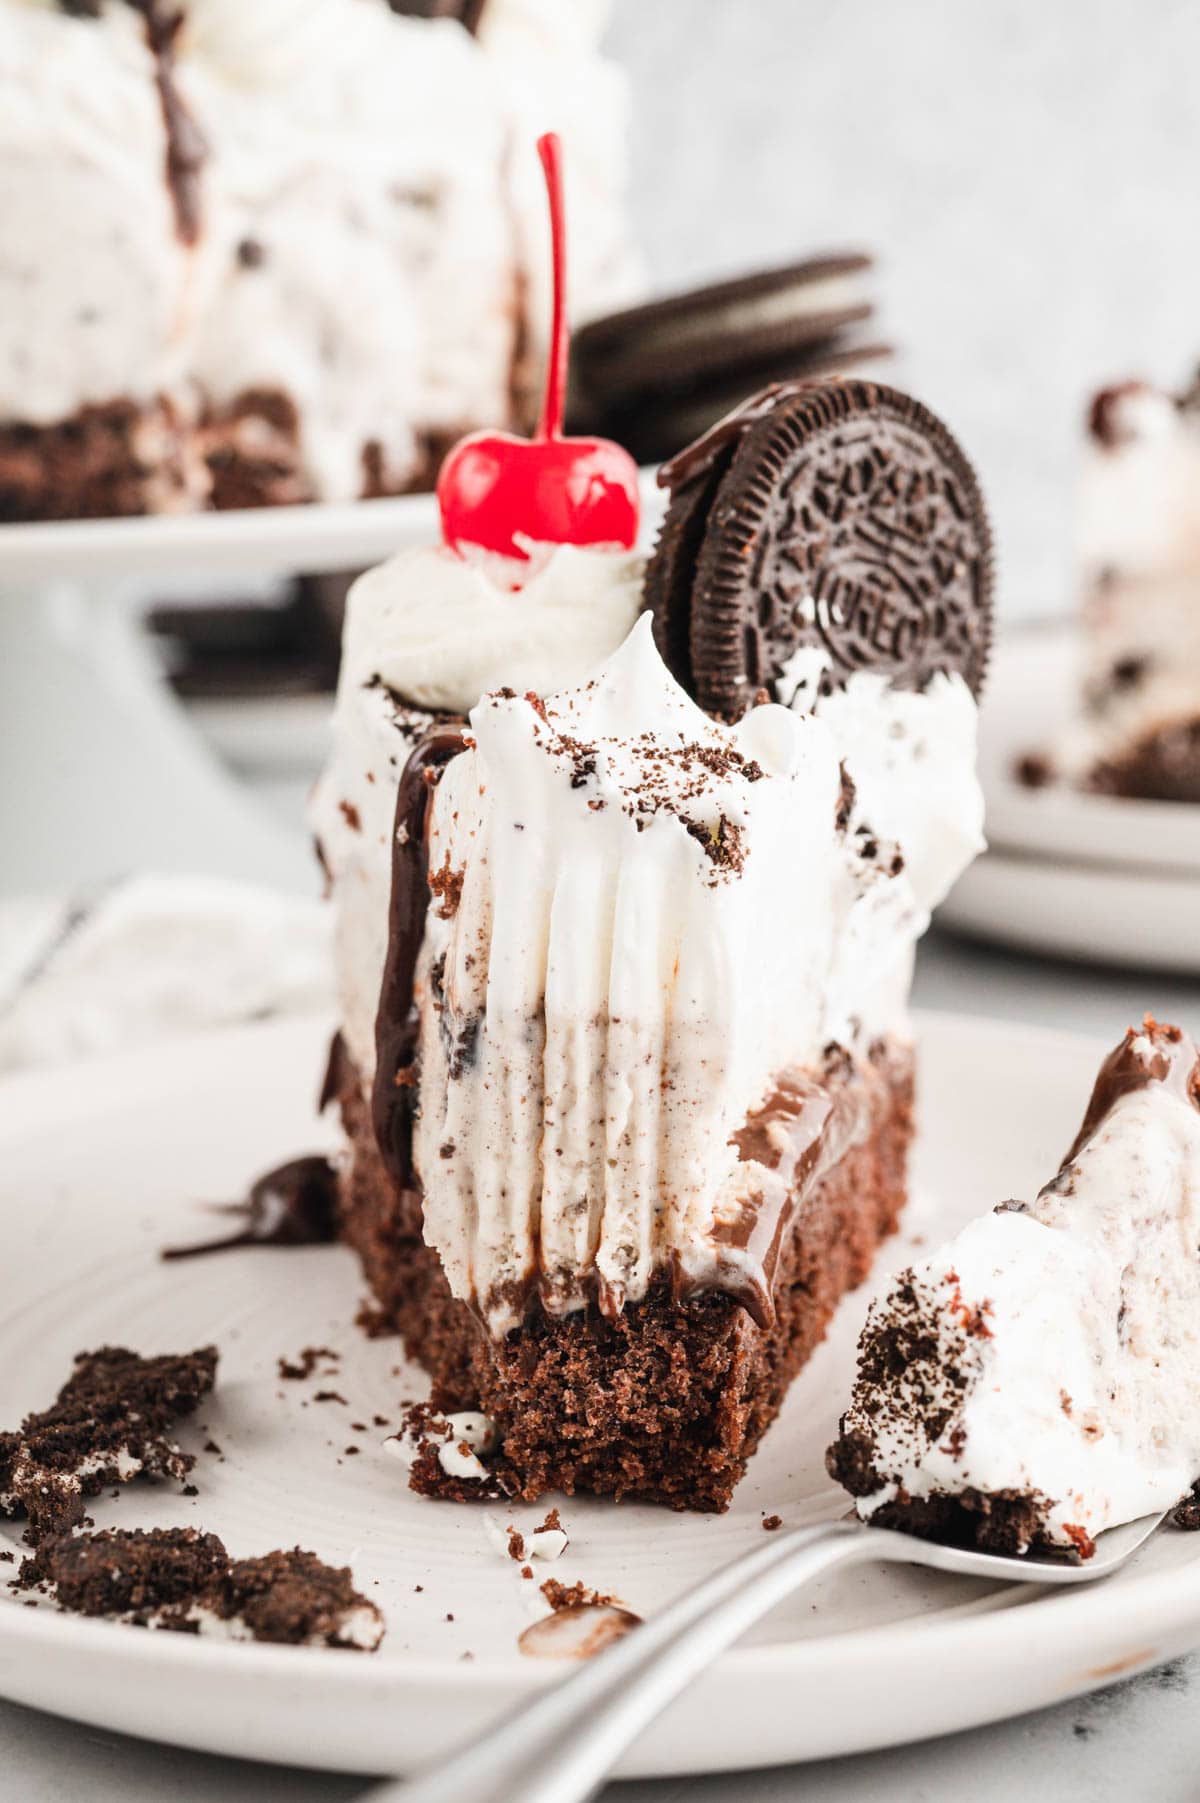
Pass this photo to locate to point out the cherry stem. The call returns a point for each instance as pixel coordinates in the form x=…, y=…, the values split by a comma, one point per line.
x=550, y=424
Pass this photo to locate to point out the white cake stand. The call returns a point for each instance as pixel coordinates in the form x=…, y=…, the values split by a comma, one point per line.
x=101, y=772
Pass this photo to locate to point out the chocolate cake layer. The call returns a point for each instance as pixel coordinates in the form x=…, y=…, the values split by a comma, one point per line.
x=122, y=459
x=106, y=460
x=667, y=1399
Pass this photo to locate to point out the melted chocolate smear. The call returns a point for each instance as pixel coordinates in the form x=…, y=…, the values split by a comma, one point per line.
x=467, y=12
x=697, y=458
x=187, y=147
x=1173, y=1060
x=393, y=1093
x=293, y=1205
x=337, y=1073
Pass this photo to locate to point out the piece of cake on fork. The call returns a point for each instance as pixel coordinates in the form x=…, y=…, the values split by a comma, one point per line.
x=1035, y=1381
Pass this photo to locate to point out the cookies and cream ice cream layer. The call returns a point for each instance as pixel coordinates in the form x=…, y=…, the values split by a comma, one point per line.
x=1043, y=1366
x=647, y=928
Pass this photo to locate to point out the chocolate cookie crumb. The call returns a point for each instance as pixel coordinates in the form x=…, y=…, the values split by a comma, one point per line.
x=183, y=1580
x=107, y=1425
x=304, y=1366
x=576, y=1596
x=1186, y=1513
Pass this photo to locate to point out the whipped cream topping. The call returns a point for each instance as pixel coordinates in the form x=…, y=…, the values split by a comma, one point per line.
x=432, y=630
x=645, y=925
x=442, y=628
x=1052, y=1351
x=1139, y=558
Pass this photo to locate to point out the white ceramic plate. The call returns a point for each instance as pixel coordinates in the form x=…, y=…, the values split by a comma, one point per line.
x=1034, y=685
x=103, y=1164
x=1102, y=913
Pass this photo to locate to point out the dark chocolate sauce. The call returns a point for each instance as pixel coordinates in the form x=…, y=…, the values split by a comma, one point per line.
x=187, y=148
x=467, y=12
x=801, y=1132
x=338, y=1075
x=1173, y=1060
x=293, y=1205
x=697, y=458
x=396, y=1026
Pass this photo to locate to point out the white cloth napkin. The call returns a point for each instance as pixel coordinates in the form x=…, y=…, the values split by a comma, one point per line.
x=152, y=958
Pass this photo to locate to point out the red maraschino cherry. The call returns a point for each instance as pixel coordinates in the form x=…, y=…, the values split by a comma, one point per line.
x=497, y=490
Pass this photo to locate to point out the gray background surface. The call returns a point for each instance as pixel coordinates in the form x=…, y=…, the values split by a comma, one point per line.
x=1024, y=169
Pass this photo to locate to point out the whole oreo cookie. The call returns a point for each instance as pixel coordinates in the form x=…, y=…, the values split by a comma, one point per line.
x=838, y=515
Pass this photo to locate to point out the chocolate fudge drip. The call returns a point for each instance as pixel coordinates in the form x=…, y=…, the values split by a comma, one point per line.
x=699, y=457
x=1173, y=1060
x=396, y=1025
x=187, y=148
x=467, y=12
x=801, y=1131
x=293, y=1205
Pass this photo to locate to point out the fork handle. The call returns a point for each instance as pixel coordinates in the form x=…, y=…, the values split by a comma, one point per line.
x=562, y=1746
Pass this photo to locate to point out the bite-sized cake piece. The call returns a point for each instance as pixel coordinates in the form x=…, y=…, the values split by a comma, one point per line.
x=110, y=1422
x=1139, y=729
x=1038, y=1379
x=184, y=1581
x=233, y=241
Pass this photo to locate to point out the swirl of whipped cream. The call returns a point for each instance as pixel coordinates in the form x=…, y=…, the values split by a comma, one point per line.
x=442, y=629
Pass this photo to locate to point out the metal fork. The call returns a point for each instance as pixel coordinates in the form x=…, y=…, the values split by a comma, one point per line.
x=561, y=1747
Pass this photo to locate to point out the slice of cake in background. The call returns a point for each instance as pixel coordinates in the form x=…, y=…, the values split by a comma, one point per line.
x=276, y=252
x=1036, y=1381
x=624, y=1061
x=1140, y=546
x=1134, y=729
